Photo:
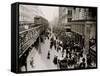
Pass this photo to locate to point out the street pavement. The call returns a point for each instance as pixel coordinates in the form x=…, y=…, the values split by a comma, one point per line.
x=40, y=60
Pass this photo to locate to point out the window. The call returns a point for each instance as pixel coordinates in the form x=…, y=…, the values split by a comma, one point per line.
x=69, y=19
x=69, y=12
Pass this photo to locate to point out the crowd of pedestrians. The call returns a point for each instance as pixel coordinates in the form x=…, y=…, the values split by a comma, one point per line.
x=67, y=57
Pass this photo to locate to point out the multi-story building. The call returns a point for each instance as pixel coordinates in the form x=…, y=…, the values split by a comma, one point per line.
x=81, y=21
x=65, y=15
x=84, y=23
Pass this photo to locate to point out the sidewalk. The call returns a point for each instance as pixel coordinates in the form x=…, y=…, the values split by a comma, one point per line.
x=38, y=63
x=45, y=48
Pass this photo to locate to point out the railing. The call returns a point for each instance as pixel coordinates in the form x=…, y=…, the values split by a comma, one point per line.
x=27, y=38
x=29, y=32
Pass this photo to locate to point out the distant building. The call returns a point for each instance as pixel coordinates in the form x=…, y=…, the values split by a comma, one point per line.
x=28, y=12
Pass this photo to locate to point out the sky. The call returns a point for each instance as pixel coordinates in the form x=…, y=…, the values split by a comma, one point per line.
x=49, y=12
x=27, y=12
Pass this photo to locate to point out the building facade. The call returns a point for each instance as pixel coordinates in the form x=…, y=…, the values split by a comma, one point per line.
x=81, y=21
x=65, y=15
x=84, y=23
